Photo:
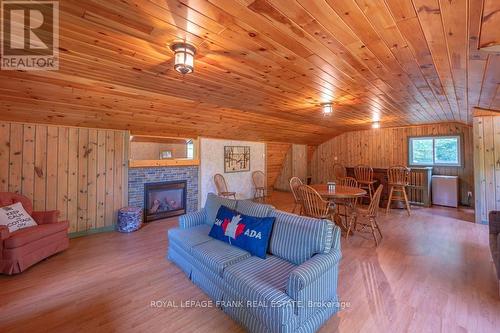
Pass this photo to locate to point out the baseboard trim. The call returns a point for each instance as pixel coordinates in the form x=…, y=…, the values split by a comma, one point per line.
x=91, y=231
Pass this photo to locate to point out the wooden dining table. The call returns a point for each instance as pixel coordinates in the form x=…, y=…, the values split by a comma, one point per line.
x=341, y=192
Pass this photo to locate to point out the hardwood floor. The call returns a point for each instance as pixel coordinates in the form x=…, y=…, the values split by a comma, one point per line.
x=431, y=273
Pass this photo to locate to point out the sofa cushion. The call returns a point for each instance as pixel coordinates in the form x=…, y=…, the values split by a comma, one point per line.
x=213, y=204
x=249, y=233
x=251, y=208
x=263, y=283
x=297, y=238
x=27, y=235
x=187, y=238
x=217, y=255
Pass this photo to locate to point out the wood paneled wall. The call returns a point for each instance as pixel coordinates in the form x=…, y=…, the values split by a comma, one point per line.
x=295, y=164
x=389, y=146
x=486, y=165
x=82, y=172
x=275, y=157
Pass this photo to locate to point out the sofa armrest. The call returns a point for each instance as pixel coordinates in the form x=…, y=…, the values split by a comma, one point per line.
x=313, y=284
x=307, y=273
x=495, y=252
x=4, y=232
x=494, y=222
x=47, y=217
x=192, y=219
x=336, y=236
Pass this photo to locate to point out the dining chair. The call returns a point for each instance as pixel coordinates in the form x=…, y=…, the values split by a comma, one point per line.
x=367, y=217
x=346, y=203
x=348, y=181
x=314, y=205
x=259, y=182
x=398, y=181
x=295, y=182
x=220, y=184
x=364, y=176
x=339, y=172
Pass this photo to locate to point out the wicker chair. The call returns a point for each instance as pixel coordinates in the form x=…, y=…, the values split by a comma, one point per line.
x=295, y=182
x=367, y=217
x=314, y=205
x=364, y=176
x=220, y=184
x=339, y=172
x=259, y=182
x=398, y=181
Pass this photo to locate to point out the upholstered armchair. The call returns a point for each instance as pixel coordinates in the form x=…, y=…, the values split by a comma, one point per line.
x=23, y=248
x=494, y=218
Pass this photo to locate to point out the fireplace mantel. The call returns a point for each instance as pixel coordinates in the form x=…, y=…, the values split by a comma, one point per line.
x=163, y=163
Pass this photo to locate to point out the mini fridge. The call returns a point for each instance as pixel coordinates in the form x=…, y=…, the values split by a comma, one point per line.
x=445, y=190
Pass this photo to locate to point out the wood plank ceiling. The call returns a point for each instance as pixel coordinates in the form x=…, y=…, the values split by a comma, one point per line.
x=489, y=37
x=262, y=67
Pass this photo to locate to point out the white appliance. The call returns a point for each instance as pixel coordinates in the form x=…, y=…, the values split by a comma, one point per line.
x=445, y=191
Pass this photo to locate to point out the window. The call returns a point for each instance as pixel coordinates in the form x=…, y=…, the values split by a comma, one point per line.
x=435, y=151
x=190, y=149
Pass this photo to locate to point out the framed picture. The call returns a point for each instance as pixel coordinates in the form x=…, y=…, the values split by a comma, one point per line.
x=165, y=154
x=236, y=158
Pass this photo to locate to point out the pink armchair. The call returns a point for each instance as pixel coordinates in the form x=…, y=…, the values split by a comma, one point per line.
x=25, y=247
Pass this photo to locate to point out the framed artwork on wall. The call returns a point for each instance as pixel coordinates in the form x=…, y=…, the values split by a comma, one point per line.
x=236, y=158
x=165, y=154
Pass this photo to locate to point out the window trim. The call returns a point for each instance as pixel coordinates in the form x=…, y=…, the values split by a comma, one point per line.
x=434, y=137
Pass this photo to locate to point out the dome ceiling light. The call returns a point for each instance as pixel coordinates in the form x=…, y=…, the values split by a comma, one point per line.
x=327, y=108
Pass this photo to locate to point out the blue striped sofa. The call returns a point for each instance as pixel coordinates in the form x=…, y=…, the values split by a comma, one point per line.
x=293, y=290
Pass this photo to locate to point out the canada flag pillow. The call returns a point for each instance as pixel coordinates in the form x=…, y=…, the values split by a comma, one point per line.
x=246, y=232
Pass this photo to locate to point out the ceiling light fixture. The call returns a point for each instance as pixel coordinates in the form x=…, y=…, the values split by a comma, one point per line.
x=183, y=57
x=327, y=108
x=376, y=124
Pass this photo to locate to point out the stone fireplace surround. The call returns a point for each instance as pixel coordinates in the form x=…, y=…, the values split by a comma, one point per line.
x=137, y=177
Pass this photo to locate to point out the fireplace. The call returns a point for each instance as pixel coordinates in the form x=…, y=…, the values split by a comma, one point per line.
x=164, y=199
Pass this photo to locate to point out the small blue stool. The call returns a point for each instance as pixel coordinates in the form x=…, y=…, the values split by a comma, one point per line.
x=129, y=219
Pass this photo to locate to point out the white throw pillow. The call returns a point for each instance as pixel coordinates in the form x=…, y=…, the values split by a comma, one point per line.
x=15, y=217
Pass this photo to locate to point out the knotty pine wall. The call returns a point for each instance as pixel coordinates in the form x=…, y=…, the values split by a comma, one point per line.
x=386, y=147
x=275, y=157
x=487, y=165
x=294, y=165
x=81, y=172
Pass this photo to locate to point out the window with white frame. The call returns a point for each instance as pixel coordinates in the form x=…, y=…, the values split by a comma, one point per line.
x=190, y=149
x=435, y=151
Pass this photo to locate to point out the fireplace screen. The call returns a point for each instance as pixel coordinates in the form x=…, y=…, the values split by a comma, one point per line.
x=165, y=199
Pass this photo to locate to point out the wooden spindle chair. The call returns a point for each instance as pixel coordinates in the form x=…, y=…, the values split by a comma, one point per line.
x=398, y=181
x=339, y=172
x=295, y=182
x=259, y=182
x=364, y=176
x=220, y=184
x=314, y=205
x=346, y=203
x=367, y=217
x=348, y=181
